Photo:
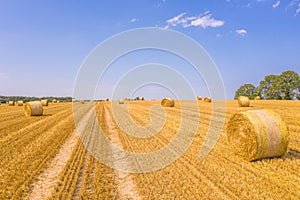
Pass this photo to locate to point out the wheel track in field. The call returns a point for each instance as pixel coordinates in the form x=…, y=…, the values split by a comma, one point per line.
x=195, y=171
x=45, y=182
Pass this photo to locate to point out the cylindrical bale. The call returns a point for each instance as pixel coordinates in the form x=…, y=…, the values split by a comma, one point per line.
x=44, y=102
x=121, y=101
x=167, y=102
x=33, y=108
x=207, y=99
x=54, y=101
x=20, y=103
x=11, y=103
x=244, y=101
x=257, y=98
x=141, y=98
x=107, y=99
x=81, y=101
x=256, y=134
x=199, y=98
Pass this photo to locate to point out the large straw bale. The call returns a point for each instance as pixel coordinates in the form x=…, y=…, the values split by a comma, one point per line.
x=44, y=102
x=199, y=98
x=257, y=98
x=244, y=101
x=33, y=108
x=11, y=103
x=167, y=102
x=19, y=103
x=207, y=99
x=121, y=101
x=256, y=134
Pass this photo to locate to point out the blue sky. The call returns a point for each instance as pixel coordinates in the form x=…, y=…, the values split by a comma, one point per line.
x=44, y=43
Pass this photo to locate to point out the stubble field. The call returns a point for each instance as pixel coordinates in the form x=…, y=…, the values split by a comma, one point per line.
x=44, y=157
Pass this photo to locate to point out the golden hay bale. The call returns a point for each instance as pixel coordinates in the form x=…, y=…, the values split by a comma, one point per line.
x=11, y=103
x=44, y=102
x=81, y=101
x=167, y=102
x=141, y=98
x=244, y=101
x=256, y=134
x=207, y=99
x=199, y=98
x=257, y=98
x=121, y=101
x=33, y=108
x=107, y=99
x=54, y=101
x=19, y=103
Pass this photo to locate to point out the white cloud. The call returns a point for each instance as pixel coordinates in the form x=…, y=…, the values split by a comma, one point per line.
x=298, y=10
x=133, y=20
x=204, y=21
x=275, y=5
x=241, y=32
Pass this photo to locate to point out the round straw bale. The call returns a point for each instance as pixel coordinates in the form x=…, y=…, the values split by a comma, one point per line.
x=44, y=102
x=33, y=108
x=256, y=134
x=167, y=102
x=244, y=101
x=54, y=101
x=141, y=98
x=81, y=101
x=199, y=98
x=121, y=101
x=20, y=103
x=107, y=99
x=11, y=103
x=207, y=99
x=257, y=98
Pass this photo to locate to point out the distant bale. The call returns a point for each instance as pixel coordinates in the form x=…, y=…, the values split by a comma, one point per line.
x=167, y=102
x=207, y=99
x=33, y=108
x=244, y=101
x=11, y=103
x=58, y=101
x=44, y=102
x=199, y=98
x=107, y=99
x=81, y=101
x=121, y=101
x=257, y=98
x=54, y=101
x=141, y=98
x=257, y=134
x=19, y=103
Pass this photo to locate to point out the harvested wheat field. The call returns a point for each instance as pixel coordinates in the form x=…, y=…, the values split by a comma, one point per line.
x=44, y=157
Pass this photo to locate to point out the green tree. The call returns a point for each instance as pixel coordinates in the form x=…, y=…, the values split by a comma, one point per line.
x=248, y=90
x=269, y=88
x=288, y=83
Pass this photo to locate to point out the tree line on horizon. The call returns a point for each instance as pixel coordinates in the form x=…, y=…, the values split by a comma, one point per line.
x=285, y=86
x=4, y=99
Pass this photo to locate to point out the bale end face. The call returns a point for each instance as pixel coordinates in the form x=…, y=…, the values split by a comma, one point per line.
x=244, y=101
x=199, y=98
x=168, y=102
x=207, y=99
x=44, y=102
x=34, y=108
x=257, y=134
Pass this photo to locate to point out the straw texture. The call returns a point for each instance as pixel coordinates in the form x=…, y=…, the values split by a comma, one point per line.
x=256, y=134
x=207, y=99
x=199, y=98
x=244, y=101
x=168, y=102
x=44, y=102
x=34, y=108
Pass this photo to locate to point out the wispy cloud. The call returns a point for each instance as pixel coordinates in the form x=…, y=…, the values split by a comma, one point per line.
x=133, y=20
x=205, y=20
x=275, y=5
x=241, y=32
x=298, y=9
